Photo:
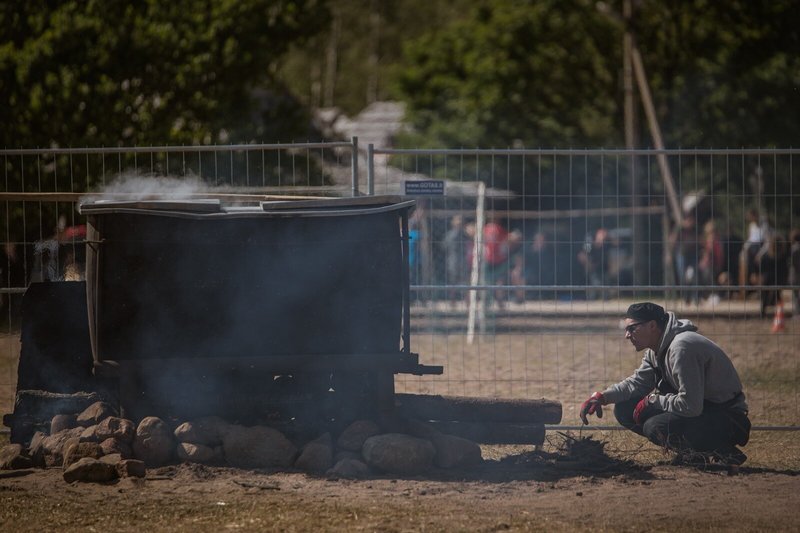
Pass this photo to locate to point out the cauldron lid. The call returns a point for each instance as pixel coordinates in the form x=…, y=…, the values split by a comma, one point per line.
x=187, y=206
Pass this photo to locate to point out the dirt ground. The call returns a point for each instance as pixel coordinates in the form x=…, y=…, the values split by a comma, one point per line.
x=625, y=486
x=516, y=489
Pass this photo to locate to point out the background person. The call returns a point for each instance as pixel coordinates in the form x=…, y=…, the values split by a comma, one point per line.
x=685, y=396
x=684, y=241
x=455, y=245
x=755, y=238
x=773, y=269
x=498, y=247
x=594, y=258
x=496, y=251
x=794, y=269
x=535, y=266
x=712, y=260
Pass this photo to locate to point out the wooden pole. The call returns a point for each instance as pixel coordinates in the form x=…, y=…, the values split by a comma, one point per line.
x=627, y=77
x=655, y=131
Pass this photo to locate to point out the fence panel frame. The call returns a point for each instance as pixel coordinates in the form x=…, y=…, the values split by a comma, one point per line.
x=373, y=154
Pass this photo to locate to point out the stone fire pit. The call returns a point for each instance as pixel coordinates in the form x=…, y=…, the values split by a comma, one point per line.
x=95, y=445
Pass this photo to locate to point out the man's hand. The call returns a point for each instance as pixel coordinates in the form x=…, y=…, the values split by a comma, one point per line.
x=641, y=407
x=593, y=405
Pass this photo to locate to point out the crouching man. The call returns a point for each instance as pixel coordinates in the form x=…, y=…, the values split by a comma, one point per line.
x=685, y=396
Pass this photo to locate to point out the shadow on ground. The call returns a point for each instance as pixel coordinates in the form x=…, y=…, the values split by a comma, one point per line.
x=575, y=457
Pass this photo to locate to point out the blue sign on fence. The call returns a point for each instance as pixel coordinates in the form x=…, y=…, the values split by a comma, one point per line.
x=425, y=188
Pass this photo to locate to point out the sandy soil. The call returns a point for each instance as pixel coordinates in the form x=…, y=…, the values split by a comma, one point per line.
x=566, y=358
x=626, y=487
x=521, y=490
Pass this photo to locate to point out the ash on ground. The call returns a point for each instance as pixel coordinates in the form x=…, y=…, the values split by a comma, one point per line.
x=573, y=455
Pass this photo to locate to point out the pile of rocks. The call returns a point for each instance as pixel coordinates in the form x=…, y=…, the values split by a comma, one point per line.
x=96, y=445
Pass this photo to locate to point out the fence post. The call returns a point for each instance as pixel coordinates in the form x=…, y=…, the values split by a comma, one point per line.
x=354, y=165
x=371, y=169
x=477, y=308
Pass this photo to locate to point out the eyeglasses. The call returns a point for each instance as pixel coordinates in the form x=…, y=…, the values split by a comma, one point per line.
x=630, y=328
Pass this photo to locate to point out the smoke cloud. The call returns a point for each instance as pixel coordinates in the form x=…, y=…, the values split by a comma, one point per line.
x=133, y=186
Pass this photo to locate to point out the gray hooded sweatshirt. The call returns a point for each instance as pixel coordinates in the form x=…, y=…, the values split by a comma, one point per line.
x=693, y=365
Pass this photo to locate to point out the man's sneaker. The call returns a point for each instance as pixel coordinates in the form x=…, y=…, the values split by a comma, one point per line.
x=732, y=456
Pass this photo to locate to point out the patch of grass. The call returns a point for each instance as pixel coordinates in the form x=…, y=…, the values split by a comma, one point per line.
x=770, y=450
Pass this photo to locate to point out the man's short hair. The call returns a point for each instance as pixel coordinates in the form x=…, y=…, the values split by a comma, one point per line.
x=646, y=311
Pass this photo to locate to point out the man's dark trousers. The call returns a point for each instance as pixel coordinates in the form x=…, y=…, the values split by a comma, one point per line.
x=712, y=431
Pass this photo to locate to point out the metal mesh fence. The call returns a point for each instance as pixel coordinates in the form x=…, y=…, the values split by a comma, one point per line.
x=42, y=232
x=567, y=239
x=521, y=270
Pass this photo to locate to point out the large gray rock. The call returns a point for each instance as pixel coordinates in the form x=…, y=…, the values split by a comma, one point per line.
x=53, y=446
x=317, y=455
x=112, y=446
x=257, y=447
x=153, y=443
x=95, y=413
x=116, y=428
x=37, y=441
x=349, y=468
x=89, y=434
x=353, y=437
x=75, y=451
x=61, y=422
x=195, y=453
x=69, y=443
x=90, y=470
x=13, y=457
x=131, y=468
x=36, y=449
x=452, y=451
x=111, y=459
x=208, y=431
x=397, y=453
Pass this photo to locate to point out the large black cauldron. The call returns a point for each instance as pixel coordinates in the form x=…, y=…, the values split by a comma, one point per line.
x=177, y=288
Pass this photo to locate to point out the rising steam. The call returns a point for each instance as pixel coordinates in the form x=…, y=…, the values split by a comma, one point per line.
x=133, y=186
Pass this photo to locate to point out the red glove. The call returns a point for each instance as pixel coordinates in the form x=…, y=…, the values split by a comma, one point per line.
x=641, y=407
x=593, y=405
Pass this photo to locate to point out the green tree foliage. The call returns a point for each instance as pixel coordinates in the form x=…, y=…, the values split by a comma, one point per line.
x=723, y=74
x=514, y=74
x=533, y=73
x=548, y=73
x=349, y=63
x=726, y=74
x=106, y=72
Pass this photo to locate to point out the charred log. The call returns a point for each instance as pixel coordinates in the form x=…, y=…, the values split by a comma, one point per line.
x=468, y=409
x=34, y=409
x=493, y=432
